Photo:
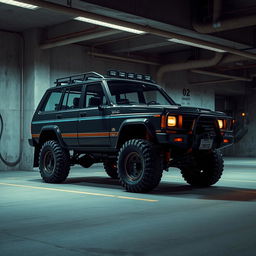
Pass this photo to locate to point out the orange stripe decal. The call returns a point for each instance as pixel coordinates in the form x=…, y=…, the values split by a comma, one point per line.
x=95, y=134
x=90, y=134
x=69, y=135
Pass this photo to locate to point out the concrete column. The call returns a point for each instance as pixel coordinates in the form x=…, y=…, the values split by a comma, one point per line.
x=36, y=81
x=10, y=82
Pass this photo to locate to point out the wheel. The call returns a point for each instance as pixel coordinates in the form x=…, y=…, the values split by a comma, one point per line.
x=207, y=171
x=54, y=162
x=110, y=167
x=139, y=166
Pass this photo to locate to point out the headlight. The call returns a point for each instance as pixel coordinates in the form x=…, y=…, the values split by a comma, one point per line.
x=221, y=123
x=171, y=121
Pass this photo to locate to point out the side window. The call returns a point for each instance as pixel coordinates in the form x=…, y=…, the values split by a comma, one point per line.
x=94, y=92
x=71, y=98
x=128, y=98
x=53, y=101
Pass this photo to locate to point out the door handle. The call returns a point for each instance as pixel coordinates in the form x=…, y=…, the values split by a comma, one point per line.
x=59, y=116
x=83, y=114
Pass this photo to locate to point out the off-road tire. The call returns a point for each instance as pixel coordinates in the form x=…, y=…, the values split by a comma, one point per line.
x=148, y=166
x=110, y=167
x=54, y=162
x=207, y=170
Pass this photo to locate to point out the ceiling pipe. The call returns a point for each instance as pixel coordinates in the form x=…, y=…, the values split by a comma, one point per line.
x=218, y=25
x=226, y=68
x=223, y=25
x=76, y=39
x=146, y=29
x=213, y=82
x=229, y=58
x=191, y=64
x=238, y=78
x=114, y=57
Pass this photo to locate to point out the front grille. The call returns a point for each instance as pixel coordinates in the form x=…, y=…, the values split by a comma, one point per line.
x=188, y=122
x=206, y=125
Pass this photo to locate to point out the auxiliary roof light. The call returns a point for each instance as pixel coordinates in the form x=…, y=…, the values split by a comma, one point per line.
x=133, y=76
x=109, y=25
x=19, y=4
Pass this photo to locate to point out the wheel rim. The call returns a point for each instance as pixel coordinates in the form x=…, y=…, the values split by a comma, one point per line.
x=49, y=162
x=134, y=166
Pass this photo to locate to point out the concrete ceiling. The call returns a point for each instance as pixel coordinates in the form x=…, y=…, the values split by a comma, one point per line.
x=181, y=17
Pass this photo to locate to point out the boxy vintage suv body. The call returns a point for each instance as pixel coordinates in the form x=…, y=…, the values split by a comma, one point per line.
x=129, y=124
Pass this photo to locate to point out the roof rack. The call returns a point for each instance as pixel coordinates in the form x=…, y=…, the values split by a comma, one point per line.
x=76, y=79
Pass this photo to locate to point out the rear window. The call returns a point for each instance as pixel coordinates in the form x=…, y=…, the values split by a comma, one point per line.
x=53, y=101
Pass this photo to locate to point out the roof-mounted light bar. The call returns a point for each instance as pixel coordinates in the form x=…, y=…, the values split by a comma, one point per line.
x=19, y=4
x=109, y=25
x=133, y=76
x=178, y=41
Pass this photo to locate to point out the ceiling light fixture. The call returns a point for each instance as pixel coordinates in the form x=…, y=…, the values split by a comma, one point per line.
x=19, y=4
x=178, y=41
x=109, y=25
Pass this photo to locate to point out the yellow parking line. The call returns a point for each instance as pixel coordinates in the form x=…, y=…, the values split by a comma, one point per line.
x=79, y=192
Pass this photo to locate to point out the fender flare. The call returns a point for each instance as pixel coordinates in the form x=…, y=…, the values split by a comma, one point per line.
x=137, y=121
x=56, y=130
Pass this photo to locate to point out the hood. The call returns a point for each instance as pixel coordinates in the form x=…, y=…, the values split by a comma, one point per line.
x=195, y=110
x=177, y=109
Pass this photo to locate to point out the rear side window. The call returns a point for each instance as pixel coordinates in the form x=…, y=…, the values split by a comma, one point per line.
x=53, y=102
x=72, y=98
x=94, y=91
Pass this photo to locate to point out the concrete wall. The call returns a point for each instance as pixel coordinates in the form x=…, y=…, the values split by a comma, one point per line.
x=178, y=87
x=73, y=59
x=246, y=147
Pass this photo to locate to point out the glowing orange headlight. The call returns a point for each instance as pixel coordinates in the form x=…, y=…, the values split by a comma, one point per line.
x=221, y=123
x=171, y=121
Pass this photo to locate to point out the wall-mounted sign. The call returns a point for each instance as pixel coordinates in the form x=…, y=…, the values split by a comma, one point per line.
x=185, y=99
x=186, y=92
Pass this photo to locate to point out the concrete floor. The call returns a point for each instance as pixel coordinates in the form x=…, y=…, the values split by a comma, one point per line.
x=92, y=215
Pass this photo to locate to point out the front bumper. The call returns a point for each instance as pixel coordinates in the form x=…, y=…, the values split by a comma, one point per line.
x=165, y=138
x=186, y=141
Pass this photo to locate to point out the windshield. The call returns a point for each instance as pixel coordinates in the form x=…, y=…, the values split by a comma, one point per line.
x=124, y=92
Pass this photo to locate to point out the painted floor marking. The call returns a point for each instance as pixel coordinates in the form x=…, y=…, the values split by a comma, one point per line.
x=79, y=192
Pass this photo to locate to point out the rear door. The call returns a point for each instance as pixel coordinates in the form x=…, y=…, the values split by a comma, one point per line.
x=67, y=116
x=93, y=125
x=47, y=111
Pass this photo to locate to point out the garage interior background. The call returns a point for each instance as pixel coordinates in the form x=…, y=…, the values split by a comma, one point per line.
x=202, y=52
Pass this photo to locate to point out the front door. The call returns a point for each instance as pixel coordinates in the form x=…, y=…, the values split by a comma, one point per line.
x=93, y=120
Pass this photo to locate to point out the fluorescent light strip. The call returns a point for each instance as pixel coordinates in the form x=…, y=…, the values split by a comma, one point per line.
x=109, y=25
x=178, y=41
x=19, y=4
